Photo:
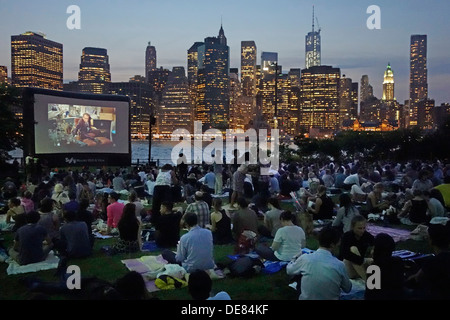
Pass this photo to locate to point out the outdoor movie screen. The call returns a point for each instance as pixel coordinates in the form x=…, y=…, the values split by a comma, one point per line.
x=68, y=125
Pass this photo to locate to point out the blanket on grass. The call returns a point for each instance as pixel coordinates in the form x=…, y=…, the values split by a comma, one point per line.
x=152, y=267
x=396, y=234
x=50, y=263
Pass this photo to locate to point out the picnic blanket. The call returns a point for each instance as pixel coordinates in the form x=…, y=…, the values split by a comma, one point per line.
x=396, y=234
x=151, y=267
x=50, y=263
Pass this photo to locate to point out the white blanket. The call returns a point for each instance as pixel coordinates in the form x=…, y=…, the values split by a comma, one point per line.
x=50, y=263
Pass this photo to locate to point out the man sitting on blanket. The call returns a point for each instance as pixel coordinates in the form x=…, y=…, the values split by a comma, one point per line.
x=31, y=243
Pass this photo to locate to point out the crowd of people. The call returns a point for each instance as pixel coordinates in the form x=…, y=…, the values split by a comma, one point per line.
x=221, y=203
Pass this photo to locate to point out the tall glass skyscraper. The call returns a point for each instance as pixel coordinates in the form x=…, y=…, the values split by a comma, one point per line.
x=248, y=68
x=418, y=76
x=388, y=84
x=36, y=61
x=213, y=82
x=150, y=59
x=94, y=74
x=312, y=47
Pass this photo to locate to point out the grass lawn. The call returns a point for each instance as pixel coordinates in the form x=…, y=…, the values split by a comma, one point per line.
x=259, y=287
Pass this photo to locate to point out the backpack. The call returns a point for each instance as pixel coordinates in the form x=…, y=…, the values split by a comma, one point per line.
x=245, y=266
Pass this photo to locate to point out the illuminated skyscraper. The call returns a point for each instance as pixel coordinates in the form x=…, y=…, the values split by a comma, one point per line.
x=36, y=61
x=248, y=68
x=418, y=76
x=150, y=59
x=3, y=74
x=269, y=60
x=312, y=47
x=319, y=97
x=141, y=96
x=213, y=82
x=388, y=84
x=175, y=109
x=192, y=71
x=94, y=74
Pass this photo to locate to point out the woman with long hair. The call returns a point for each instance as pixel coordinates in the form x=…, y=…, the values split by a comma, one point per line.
x=129, y=231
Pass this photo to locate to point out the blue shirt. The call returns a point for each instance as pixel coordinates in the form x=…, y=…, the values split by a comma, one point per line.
x=324, y=275
x=210, y=179
x=195, y=250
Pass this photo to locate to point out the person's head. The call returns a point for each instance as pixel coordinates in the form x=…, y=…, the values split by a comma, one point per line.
x=286, y=217
x=129, y=211
x=423, y=174
x=113, y=197
x=70, y=215
x=217, y=204
x=417, y=193
x=167, y=167
x=345, y=200
x=438, y=236
x=274, y=202
x=358, y=225
x=190, y=219
x=242, y=202
x=198, y=196
x=132, y=197
x=383, y=247
x=86, y=117
x=14, y=202
x=27, y=194
x=329, y=238
x=46, y=205
x=321, y=189
x=166, y=207
x=58, y=188
x=378, y=187
x=199, y=285
x=131, y=286
x=32, y=217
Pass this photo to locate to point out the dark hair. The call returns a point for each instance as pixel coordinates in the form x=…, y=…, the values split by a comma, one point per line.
x=46, y=205
x=15, y=201
x=114, y=195
x=345, y=201
x=83, y=204
x=384, y=245
x=199, y=285
x=356, y=219
x=70, y=215
x=191, y=219
x=131, y=286
x=32, y=217
x=274, y=202
x=242, y=202
x=435, y=193
x=217, y=203
x=72, y=195
x=328, y=236
x=287, y=216
x=168, y=205
x=439, y=235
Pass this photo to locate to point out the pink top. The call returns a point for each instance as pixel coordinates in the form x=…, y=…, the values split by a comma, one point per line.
x=114, y=212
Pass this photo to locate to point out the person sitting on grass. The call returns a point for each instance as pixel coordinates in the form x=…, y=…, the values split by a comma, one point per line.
x=320, y=275
x=354, y=246
x=31, y=242
x=220, y=223
x=195, y=249
x=75, y=240
x=129, y=231
x=167, y=233
x=287, y=243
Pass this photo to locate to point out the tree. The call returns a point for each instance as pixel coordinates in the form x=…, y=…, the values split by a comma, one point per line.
x=11, y=128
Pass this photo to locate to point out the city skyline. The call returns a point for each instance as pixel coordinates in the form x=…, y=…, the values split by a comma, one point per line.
x=172, y=28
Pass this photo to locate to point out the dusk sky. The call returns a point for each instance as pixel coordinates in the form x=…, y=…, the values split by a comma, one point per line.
x=125, y=27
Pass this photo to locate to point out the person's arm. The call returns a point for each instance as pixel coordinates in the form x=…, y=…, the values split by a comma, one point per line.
x=275, y=245
x=338, y=220
x=317, y=206
x=174, y=177
x=346, y=252
x=139, y=237
x=294, y=266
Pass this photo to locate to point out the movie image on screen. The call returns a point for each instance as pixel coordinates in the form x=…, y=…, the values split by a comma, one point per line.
x=67, y=125
x=81, y=126
x=68, y=128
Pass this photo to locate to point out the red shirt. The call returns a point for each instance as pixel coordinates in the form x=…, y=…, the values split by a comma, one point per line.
x=114, y=212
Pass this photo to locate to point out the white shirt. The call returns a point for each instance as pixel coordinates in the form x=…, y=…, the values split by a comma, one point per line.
x=352, y=179
x=324, y=275
x=292, y=239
